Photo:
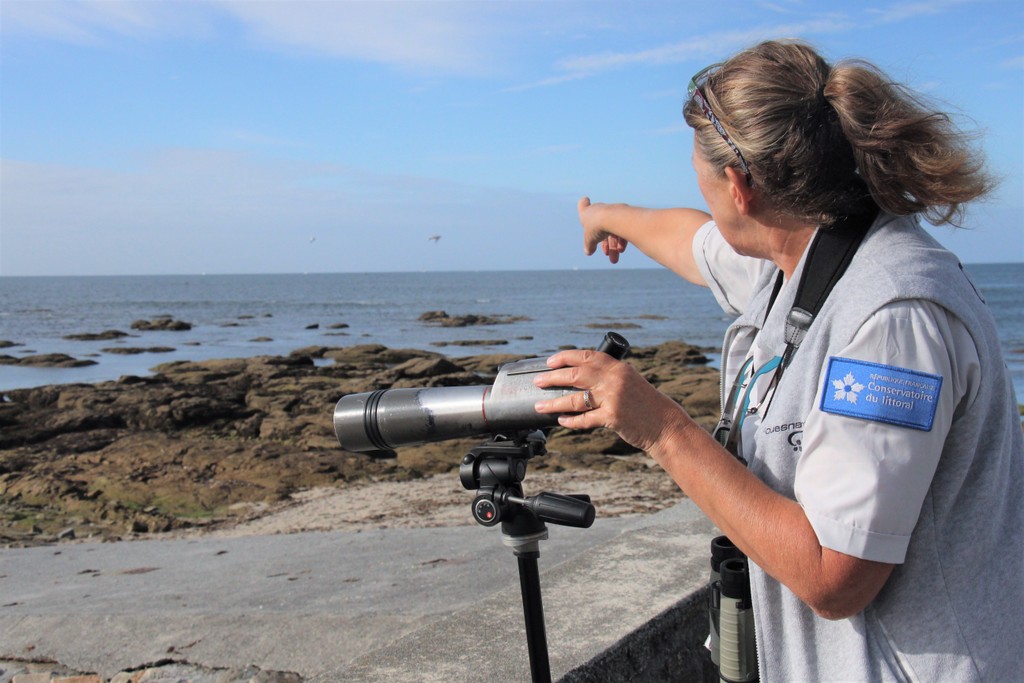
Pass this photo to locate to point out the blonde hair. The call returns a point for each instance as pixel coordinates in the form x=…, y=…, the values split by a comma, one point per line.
x=820, y=139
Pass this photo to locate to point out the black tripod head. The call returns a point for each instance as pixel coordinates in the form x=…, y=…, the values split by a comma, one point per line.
x=496, y=470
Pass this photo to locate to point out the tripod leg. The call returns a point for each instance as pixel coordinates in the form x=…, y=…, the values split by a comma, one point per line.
x=533, y=610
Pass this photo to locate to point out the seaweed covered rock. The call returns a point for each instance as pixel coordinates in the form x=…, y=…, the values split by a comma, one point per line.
x=201, y=442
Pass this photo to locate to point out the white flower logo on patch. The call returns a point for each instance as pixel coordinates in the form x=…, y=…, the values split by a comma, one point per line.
x=847, y=388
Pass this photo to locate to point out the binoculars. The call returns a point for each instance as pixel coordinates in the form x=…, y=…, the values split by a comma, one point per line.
x=731, y=614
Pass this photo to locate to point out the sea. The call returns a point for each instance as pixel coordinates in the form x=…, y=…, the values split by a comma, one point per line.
x=235, y=316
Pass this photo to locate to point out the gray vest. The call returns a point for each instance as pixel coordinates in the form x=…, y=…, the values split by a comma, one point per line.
x=955, y=609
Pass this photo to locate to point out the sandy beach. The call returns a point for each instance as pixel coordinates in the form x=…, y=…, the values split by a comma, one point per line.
x=440, y=501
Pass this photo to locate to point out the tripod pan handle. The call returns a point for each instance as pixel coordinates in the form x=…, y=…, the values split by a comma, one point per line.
x=559, y=509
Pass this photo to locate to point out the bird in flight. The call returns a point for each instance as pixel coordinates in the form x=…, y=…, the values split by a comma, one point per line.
x=434, y=238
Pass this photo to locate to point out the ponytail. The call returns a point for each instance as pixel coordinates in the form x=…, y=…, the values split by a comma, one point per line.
x=820, y=139
x=913, y=159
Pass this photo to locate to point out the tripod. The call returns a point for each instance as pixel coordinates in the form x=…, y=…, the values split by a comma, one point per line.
x=496, y=470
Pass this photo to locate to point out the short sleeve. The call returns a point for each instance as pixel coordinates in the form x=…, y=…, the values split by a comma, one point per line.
x=864, y=474
x=730, y=276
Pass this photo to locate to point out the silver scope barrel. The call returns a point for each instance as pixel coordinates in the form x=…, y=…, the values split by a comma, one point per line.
x=386, y=419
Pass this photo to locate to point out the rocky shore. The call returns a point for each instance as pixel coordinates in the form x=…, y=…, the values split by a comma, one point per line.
x=221, y=445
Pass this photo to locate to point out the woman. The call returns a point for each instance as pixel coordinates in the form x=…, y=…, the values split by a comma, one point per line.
x=879, y=469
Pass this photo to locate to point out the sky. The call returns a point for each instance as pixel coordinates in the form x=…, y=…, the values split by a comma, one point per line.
x=245, y=136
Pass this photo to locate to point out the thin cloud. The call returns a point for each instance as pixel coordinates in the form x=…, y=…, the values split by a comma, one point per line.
x=928, y=86
x=1013, y=63
x=551, y=150
x=548, y=82
x=712, y=46
x=707, y=45
x=703, y=48
x=452, y=37
x=674, y=129
x=250, y=137
x=524, y=154
x=780, y=8
x=911, y=10
x=94, y=22
x=422, y=37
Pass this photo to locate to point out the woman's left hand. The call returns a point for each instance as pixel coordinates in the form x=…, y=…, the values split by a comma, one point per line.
x=620, y=398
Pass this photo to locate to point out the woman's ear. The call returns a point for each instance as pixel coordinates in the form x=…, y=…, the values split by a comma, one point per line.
x=742, y=193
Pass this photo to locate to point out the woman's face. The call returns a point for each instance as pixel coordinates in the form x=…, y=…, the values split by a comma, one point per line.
x=714, y=187
x=746, y=220
x=742, y=232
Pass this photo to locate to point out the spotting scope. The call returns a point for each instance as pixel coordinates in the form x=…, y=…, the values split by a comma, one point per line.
x=386, y=419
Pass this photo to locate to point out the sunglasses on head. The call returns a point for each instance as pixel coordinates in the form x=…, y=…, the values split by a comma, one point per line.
x=696, y=92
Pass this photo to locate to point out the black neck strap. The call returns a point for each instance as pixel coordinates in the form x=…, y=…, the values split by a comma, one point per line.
x=830, y=253
x=828, y=256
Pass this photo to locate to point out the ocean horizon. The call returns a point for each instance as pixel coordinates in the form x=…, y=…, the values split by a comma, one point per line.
x=236, y=316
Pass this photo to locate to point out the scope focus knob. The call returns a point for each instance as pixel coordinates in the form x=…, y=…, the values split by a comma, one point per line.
x=615, y=345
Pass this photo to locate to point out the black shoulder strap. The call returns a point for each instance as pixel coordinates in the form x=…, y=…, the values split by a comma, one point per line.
x=830, y=253
x=828, y=256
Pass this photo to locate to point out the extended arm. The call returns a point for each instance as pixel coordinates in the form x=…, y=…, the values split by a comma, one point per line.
x=665, y=235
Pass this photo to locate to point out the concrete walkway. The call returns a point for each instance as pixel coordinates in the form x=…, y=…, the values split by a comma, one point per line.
x=392, y=605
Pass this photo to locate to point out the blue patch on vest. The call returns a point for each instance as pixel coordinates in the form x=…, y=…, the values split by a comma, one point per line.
x=880, y=393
